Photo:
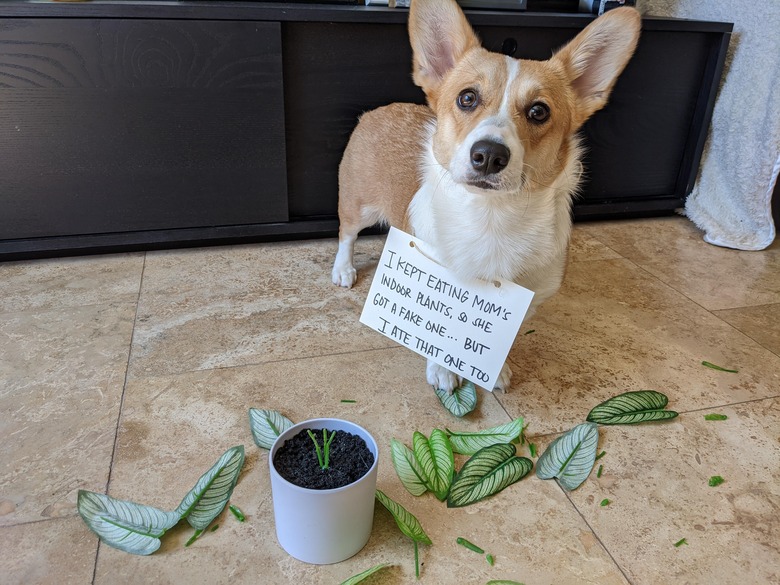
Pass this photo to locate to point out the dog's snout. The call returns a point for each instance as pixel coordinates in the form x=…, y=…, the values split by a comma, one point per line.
x=489, y=157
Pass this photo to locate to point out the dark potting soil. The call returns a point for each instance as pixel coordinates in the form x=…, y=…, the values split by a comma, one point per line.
x=350, y=459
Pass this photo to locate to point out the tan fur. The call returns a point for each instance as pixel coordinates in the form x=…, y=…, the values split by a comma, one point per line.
x=415, y=168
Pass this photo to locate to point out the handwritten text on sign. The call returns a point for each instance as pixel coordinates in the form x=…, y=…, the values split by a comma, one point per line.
x=467, y=327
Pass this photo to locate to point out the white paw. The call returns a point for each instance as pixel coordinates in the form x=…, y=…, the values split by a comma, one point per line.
x=504, y=379
x=441, y=378
x=344, y=276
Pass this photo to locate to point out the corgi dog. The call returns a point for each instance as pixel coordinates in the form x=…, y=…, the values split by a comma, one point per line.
x=486, y=172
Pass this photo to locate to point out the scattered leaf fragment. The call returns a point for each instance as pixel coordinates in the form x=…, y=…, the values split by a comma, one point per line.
x=570, y=457
x=631, y=408
x=349, y=401
x=355, y=579
x=469, y=545
x=194, y=537
x=532, y=449
x=598, y=473
x=600, y=455
x=719, y=368
x=503, y=582
x=266, y=425
x=214, y=528
x=681, y=542
x=490, y=559
x=605, y=502
x=235, y=510
x=716, y=480
x=408, y=524
x=530, y=331
x=487, y=472
x=469, y=442
x=462, y=400
x=715, y=416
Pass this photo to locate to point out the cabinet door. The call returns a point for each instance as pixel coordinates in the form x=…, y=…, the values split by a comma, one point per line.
x=134, y=125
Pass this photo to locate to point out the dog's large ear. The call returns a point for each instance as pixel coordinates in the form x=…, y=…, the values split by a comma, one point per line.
x=440, y=35
x=595, y=58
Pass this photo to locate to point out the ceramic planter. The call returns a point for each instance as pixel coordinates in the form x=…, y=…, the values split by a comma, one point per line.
x=324, y=526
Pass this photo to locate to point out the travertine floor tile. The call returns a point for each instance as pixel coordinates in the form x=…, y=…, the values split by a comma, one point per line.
x=51, y=552
x=656, y=478
x=761, y=323
x=70, y=282
x=583, y=247
x=61, y=379
x=614, y=328
x=673, y=250
x=174, y=427
x=241, y=305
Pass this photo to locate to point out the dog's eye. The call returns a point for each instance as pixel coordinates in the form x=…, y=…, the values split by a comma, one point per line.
x=538, y=112
x=467, y=99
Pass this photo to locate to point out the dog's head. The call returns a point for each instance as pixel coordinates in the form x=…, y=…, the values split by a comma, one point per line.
x=505, y=123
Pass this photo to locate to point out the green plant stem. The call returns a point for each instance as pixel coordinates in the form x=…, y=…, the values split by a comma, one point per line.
x=326, y=445
x=416, y=560
x=469, y=545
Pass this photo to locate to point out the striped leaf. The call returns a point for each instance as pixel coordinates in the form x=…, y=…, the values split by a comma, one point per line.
x=435, y=458
x=487, y=472
x=468, y=443
x=131, y=527
x=407, y=522
x=462, y=400
x=631, y=408
x=207, y=499
x=266, y=425
x=408, y=469
x=355, y=579
x=570, y=457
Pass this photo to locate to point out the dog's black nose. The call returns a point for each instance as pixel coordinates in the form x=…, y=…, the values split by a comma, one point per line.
x=489, y=157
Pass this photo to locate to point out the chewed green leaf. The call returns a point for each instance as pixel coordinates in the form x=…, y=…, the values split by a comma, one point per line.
x=436, y=461
x=487, y=472
x=131, y=527
x=719, y=368
x=355, y=579
x=407, y=522
x=207, y=499
x=631, y=408
x=570, y=457
x=266, y=425
x=468, y=443
x=462, y=400
x=408, y=469
x=503, y=582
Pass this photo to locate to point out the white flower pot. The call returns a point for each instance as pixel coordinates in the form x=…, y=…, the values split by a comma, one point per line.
x=324, y=526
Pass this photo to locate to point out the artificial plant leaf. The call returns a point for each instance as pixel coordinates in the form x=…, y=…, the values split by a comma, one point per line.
x=128, y=526
x=487, y=472
x=462, y=400
x=436, y=460
x=407, y=522
x=408, y=469
x=207, y=499
x=266, y=425
x=631, y=408
x=570, y=457
x=365, y=574
x=468, y=443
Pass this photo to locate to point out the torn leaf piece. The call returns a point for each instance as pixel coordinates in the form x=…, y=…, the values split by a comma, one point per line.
x=462, y=400
x=407, y=522
x=436, y=461
x=715, y=480
x=719, y=368
x=487, y=472
x=355, y=579
x=407, y=468
x=631, y=408
x=468, y=443
x=570, y=457
x=211, y=493
x=130, y=527
x=715, y=416
x=266, y=425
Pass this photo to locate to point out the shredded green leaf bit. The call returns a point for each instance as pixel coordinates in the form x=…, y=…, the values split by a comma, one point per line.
x=715, y=416
x=469, y=545
x=681, y=542
x=715, y=480
x=719, y=368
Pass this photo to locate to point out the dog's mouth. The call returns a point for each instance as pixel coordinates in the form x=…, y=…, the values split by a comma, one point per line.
x=495, y=183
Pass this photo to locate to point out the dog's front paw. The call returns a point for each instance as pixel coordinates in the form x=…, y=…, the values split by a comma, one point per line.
x=504, y=379
x=441, y=378
x=344, y=276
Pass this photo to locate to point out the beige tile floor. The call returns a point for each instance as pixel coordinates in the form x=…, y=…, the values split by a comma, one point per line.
x=130, y=375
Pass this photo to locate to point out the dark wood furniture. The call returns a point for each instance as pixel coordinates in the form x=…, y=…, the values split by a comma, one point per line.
x=140, y=125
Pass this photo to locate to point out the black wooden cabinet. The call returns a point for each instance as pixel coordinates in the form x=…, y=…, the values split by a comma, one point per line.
x=138, y=125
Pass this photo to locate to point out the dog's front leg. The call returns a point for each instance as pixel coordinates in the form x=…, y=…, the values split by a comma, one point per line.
x=441, y=378
x=344, y=273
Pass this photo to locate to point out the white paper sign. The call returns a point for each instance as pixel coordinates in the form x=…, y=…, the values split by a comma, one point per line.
x=467, y=327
